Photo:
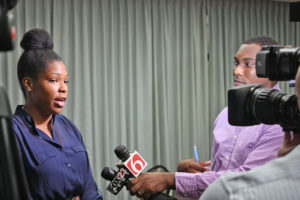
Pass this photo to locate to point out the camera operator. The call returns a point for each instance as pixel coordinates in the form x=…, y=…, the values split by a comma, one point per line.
x=234, y=148
x=278, y=179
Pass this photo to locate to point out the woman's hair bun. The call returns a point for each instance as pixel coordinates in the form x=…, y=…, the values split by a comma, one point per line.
x=36, y=39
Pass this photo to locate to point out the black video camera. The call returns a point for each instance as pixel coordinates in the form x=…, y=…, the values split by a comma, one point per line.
x=277, y=63
x=7, y=25
x=252, y=104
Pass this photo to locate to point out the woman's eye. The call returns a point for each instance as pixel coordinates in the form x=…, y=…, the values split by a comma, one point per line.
x=66, y=81
x=52, y=80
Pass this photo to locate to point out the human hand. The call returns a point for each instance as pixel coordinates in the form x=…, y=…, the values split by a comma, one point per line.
x=150, y=183
x=289, y=143
x=191, y=166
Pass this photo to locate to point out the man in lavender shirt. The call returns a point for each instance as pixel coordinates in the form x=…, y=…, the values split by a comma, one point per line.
x=234, y=148
x=276, y=180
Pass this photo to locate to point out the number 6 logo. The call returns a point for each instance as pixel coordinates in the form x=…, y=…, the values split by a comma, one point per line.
x=135, y=164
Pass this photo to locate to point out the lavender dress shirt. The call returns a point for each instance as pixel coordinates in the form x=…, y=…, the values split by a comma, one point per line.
x=235, y=148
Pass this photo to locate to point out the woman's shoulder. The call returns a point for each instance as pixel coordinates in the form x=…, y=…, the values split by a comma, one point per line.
x=61, y=117
x=66, y=123
x=20, y=118
x=63, y=120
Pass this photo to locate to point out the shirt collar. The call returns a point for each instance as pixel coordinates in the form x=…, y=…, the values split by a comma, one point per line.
x=20, y=111
x=276, y=86
x=25, y=115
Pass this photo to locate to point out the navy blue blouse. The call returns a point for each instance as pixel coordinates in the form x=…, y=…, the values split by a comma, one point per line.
x=58, y=168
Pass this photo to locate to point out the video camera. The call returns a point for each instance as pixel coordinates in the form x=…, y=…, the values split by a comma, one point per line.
x=252, y=104
x=7, y=25
x=277, y=63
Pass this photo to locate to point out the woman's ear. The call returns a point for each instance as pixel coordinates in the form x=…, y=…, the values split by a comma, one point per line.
x=27, y=84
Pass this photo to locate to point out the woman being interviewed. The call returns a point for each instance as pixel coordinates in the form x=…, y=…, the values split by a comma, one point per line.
x=50, y=145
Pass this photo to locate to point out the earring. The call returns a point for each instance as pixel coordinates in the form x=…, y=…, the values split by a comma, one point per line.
x=28, y=90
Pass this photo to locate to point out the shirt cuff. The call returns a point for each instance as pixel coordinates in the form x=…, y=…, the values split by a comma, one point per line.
x=187, y=185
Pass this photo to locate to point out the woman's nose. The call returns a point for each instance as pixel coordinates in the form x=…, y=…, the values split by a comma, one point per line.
x=63, y=87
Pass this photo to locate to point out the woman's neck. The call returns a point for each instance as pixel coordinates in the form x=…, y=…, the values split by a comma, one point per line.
x=42, y=120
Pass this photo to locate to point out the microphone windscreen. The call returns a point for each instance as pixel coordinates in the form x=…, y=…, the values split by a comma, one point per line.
x=108, y=173
x=122, y=152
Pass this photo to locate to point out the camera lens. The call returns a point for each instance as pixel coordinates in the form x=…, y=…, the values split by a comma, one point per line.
x=262, y=105
x=278, y=63
x=287, y=63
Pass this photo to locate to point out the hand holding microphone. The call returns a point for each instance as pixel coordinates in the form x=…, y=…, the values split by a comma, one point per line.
x=131, y=165
x=151, y=184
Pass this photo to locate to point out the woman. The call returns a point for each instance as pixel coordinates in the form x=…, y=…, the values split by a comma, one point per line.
x=50, y=145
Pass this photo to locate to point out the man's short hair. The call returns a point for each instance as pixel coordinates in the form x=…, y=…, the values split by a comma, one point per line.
x=261, y=40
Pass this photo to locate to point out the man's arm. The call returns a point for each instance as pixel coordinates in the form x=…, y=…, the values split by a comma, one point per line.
x=193, y=184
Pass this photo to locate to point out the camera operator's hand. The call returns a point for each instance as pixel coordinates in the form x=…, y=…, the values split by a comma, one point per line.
x=289, y=143
x=150, y=183
x=191, y=166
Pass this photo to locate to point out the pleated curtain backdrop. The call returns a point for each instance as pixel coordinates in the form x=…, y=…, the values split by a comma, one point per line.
x=148, y=74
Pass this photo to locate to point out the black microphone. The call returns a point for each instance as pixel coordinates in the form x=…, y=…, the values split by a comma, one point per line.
x=122, y=153
x=131, y=165
x=108, y=173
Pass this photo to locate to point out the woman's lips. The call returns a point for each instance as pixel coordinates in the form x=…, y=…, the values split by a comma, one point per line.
x=60, y=102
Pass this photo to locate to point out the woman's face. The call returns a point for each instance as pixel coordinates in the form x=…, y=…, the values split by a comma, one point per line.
x=49, y=92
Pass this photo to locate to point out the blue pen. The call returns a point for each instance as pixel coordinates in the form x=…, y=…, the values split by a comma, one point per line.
x=196, y=154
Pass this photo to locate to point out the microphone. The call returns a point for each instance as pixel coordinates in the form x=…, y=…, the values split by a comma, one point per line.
x=108, y=173
x=133, y=162
x=131, y=165
x=118, y=179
